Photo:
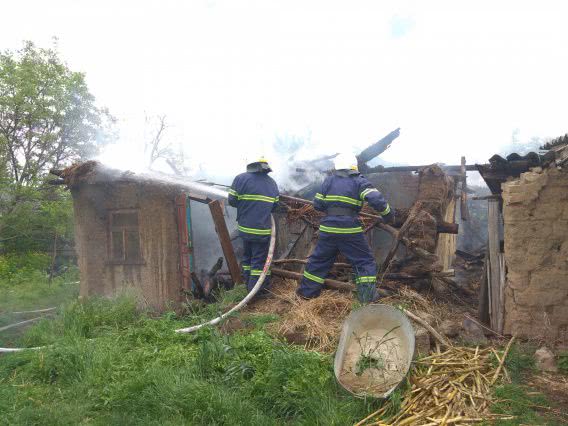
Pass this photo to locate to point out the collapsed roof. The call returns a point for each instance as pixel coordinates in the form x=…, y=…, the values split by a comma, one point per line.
x=500, y=169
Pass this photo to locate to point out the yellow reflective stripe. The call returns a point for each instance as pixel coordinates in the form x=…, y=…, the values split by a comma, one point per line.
x=367, y=192
x=342, y=199
x=333, y=230
x=246, y=267
x=257, y=272
x=254, y=231
x=258, y=197
x=313, y=277
x=233, y=192
x=385, y=211
x=367, y=279
x=339, y=199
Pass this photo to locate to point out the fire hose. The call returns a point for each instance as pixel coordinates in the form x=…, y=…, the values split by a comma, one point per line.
x=249, y=296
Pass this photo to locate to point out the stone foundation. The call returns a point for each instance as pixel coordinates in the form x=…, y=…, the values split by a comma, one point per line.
x=535, y=213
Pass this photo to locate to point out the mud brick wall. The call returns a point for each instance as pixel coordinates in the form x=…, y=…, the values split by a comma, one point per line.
x=535, y=213
x=155, y=280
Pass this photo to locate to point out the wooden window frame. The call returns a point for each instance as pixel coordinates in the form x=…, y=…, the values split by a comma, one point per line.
x=123, y=228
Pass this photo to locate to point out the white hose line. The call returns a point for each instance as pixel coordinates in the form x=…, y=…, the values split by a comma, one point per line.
x=249, y=296
x=18, y=324
x=10, y=350
x=37, y=311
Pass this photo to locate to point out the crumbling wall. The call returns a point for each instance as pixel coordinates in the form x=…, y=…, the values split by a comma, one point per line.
x=156, y=278
x=401, y=191
x=399, y=188
x=535, y=212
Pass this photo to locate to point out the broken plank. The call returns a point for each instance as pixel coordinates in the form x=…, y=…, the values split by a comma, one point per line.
x=494, y=264
x=216, y=209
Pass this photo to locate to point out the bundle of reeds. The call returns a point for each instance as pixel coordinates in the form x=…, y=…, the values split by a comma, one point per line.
x=447, y=388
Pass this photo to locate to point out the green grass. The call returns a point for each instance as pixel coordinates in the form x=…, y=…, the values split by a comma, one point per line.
x=29, y=289
x=563, y=362
x=109, y=363
x=516, y=399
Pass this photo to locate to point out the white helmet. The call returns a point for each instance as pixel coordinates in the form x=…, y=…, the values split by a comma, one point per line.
x=345, y=162
x=258, y=163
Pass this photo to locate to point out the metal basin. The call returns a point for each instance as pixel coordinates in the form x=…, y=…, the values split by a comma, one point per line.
x=375, y=351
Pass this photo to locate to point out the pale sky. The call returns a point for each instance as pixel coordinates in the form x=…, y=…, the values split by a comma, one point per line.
x=456, y=77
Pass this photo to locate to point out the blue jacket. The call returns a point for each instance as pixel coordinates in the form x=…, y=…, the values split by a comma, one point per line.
x=347, y=189
x=255, y=195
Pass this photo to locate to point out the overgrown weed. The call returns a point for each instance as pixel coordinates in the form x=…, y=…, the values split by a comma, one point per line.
x=110, y=363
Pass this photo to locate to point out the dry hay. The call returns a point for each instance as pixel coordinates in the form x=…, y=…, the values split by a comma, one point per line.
x=451, y=387
x=307, y=212
x=74, y=174
x=314, y=323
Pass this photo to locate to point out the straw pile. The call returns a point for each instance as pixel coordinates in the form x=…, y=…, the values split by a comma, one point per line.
x=77, y=172
x=314, y=323
x=306, y=212
x=447, y=388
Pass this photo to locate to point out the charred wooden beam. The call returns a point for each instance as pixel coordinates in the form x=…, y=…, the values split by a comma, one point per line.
x=376, y=149
x=381, y=169
x=463, y=196
x=334, y=284
x=447, y=228
x=200, y=198
x=216, y=209
x=304, y=262
x=487, y=197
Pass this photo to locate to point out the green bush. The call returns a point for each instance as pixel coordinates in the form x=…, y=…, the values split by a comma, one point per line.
x=16, y=266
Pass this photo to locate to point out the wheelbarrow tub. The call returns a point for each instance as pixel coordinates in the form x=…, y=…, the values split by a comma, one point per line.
x=375, y=351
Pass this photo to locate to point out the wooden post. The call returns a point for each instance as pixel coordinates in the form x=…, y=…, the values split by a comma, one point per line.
x=216, y=208
x=502, y=277
x=185, y=244
x=494, y=264
x=483, y=308
x=463, y=196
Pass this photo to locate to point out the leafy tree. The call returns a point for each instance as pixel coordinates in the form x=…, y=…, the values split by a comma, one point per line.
x=48, y=116
x=48, y=119
x=40, y=216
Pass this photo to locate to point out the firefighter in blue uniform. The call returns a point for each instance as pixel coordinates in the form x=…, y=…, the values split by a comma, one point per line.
x=341, y=198
x=255, y=195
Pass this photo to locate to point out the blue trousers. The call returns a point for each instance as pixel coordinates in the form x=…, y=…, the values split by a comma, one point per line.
x=255, y=254
x=356, y=249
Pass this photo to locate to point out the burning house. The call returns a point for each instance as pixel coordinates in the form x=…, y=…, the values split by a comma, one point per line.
x=163, y=237
x=136, y=231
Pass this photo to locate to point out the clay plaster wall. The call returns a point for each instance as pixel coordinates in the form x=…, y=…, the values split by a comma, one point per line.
x=535, y=212
x=156, y=280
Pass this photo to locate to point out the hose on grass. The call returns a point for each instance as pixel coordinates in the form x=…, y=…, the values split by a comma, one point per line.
x=9, y=350
x=250, y=295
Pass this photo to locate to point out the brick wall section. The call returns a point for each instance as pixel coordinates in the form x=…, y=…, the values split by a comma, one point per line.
x=535, y=212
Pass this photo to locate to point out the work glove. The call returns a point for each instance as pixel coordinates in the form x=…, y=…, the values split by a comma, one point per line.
x=389, y=218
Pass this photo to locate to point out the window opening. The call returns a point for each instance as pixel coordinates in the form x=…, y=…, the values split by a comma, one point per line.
x=124, y=237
